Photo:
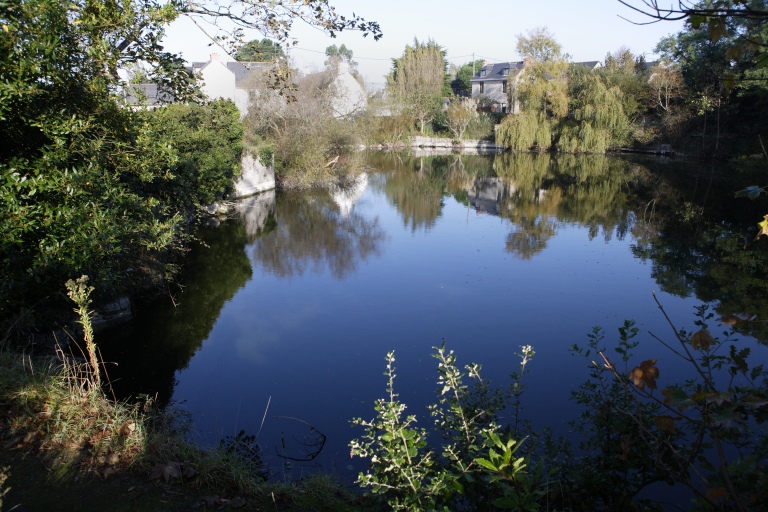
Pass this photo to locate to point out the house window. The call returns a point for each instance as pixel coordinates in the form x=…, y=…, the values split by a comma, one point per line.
x=503, y=108
x=482, y=73
x=504, y=86
x=482, y=87
x=505, y=71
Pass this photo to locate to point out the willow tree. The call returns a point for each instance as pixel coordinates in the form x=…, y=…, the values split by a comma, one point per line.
x=597, y=119
x=542, y=89
x=418, y=80
x=524, y=131
x=543, y=85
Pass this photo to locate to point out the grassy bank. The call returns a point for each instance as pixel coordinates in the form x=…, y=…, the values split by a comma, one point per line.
x=68, y=446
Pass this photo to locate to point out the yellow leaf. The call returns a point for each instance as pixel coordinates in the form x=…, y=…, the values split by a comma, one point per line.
x=645, y=374
x=763, y=227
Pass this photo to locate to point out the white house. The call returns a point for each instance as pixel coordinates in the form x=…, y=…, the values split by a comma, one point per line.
x=227, y=79
x=349, y=96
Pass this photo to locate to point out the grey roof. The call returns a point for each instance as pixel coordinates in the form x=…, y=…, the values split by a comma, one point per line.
x=496, y=71
x=147, y=95
x=245, y=70
x=591, y=64
x=241, y=70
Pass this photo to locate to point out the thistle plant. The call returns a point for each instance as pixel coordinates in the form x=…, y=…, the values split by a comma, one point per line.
x=80, y=293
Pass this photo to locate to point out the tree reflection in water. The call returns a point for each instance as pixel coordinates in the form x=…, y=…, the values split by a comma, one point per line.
x=312, y=232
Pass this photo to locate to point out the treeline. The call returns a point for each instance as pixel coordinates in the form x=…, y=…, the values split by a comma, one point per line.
x=701, y=96
x=706, y=95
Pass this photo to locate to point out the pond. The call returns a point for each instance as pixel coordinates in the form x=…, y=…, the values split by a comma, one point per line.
x=283, y=318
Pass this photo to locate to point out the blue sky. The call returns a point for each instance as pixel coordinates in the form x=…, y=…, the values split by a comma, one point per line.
x=587, y=30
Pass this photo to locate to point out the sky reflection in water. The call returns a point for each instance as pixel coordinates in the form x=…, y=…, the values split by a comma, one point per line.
x=486, y=255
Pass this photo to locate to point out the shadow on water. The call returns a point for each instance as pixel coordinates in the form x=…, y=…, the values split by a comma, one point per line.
x=167, y=331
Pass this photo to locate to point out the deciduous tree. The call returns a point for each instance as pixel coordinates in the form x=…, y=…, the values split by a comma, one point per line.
x=460, y=114
x=84, y=179
x=544, y=86
x=418, y=80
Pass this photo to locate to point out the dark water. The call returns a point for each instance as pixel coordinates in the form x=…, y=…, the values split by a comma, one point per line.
x=296, y=302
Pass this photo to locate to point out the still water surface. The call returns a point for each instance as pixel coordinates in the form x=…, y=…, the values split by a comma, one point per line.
x=296, y=301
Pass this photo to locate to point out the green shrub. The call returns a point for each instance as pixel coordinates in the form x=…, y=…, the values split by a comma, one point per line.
x=476, y=464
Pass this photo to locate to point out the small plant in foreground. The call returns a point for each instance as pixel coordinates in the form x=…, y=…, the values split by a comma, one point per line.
x=80, y=293
x=472, y=460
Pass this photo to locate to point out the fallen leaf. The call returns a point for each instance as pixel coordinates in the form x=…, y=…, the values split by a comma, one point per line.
x=645, y=374
x=702, y=340
x=167, y=471
x=107, y=472
x=127, y=428
x=112, y=459
x=238, y=502
x=171, y=470
x=665, y=424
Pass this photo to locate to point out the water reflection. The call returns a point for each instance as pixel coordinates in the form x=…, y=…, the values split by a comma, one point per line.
x=534, y=192
x=169, y=330
x=583, y=225
x=416, y=185
x=700, y=242
x=257, y=214
x=313, y=234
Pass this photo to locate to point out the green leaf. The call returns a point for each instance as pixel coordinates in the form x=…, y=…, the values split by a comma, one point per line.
x=486, y=464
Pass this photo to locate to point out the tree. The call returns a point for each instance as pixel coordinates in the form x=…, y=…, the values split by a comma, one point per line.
x=542, y=91
x=597, y=119
x=334, y=52
x=628, y=72
x=667, y=84
x=545, y=85
x=265, y=50
x=418, y=80
x=339, y=54
x=719, y=17
x=83, y=189
x=462, y=85
x=461, y=111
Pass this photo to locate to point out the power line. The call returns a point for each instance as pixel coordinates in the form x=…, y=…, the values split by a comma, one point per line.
x=355, y=57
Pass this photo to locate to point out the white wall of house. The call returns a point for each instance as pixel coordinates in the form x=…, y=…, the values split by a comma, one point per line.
x=349, y=96
x=218, y=81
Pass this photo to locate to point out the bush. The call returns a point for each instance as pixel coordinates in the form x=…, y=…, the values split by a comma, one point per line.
x=207, y=140
x=477, y=465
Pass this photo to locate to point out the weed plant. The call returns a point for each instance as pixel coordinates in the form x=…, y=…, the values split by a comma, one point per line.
x=706, y=434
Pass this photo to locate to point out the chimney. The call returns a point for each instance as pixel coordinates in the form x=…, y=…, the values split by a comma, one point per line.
x=214, y=56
